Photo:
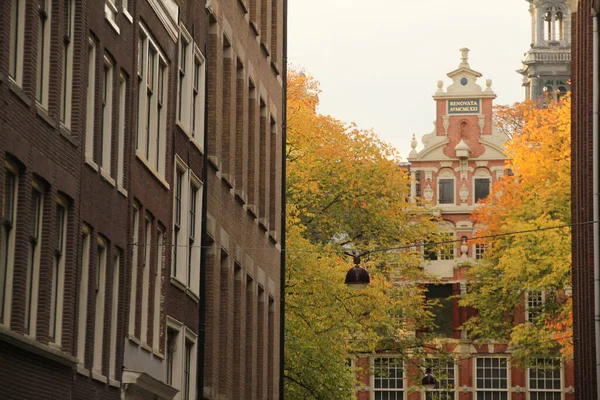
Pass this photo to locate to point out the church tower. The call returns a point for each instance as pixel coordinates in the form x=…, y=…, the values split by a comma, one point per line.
x=547, y=65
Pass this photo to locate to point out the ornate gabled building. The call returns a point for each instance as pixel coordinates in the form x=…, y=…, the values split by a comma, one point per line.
x=547, y=64
x=459, y=162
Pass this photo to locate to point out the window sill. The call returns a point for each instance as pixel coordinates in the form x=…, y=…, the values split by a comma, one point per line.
x=197, y=144
x=122, y=190
x=106, y=176
x=97, y=375
x=184, y=288
x=32, y=346
x=251, y=209
x=127, y=15
x=112, y=24
x=66, y=133
x=18, y=91
x=114, y=383
x=265, y=49
x=243, y=6
x=263, y=225
x=240, y=196
x=43, y=113
x=254, y=28
x=275, y=68
x=90, y=163
x=81, y=370
x=153, y=171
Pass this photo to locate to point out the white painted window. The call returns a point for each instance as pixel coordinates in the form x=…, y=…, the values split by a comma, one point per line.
x=152, y=103
x=480, y=250
x=107, y=115
x=160, y=241
x=121, y=130
x=17, y=35
x=67, y=67
x=43, y=52
x=134, y=267
x=91, y=95
x=114, y=314
x=33, y=263
x=388, y=378
x=190, y=88
x=146, y=278
x=180, y=365
x=544, y=379
x=83, y=292
x=491, y=378
x=100, y=296
x=7, y=240
x=110, y=14
x=448, y=246
x=186, y=227
x=446, y=187
x=445, y=374
x=58, y=271
x=534, y=304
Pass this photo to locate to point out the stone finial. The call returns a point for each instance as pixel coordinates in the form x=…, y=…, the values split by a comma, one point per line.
x=464, y=57
x=488, y=86
x=413, y=145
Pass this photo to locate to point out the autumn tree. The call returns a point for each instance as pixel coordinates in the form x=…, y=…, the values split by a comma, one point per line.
x=526, y=219
x=345, y=193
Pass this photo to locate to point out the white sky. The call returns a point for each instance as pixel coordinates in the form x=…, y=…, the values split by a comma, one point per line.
x=378, y=61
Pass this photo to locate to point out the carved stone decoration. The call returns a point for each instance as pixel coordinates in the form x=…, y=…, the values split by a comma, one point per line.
x=428, y=192
x=481, y=123
x=463, y=193
x=446, y=120
x=464, y=248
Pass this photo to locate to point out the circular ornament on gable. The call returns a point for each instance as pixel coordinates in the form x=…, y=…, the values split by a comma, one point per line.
x=464, y=81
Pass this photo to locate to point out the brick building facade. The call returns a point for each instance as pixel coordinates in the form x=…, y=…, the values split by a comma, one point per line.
x=141, y=145
x=585, y=179
x=459, y=162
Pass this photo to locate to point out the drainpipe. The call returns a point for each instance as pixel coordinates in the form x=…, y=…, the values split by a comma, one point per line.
x=283, y=204
x=596, y=191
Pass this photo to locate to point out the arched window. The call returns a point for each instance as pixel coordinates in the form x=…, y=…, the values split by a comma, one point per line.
x=554, y=27
x=558, y=26
x=482, y=183
x=548, y=25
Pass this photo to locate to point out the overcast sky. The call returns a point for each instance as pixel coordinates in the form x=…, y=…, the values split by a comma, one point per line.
x=378, y=61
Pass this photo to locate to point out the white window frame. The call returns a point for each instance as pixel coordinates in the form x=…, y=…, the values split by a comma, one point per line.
x=545, y=390
x=114, y=313
x=67, y=67
x=43, y=54
x=134, y=268
x=122, y=99
x=100, y=295
x=479, y=250
x=17, y=38
x=7, y=246
x=86, y=244
x=182, y=335
x=107, y=117
x=90, y=103
x=488, y=390
x=146, y=266
x=58, y=272
x=481, y=174
x=434, y=363
x=160, y=263
x=110, y=14
x=374, y=377
x=33, y=265
x=152, y=104
x=191, y=81
x=539, y=300
x=185, y=270
x=447, y=251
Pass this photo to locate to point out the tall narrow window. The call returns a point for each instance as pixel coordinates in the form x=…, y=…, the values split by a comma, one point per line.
x=43, y=52
x=535, y=304
x=160, y=238
x=67, y=67
x=121, y=130
x=177, y=221
x=83, y=293
x=198, y=100
x=91, y=96
x=192, y=232
x=274, y=29
x=17, y=34
x=187, y=370
x=107, y=118
x=482, y=188
x=446, y=191
x=491, y=378
x=151, y=129
x=7, y=242
x=58, y=272
x=183, y=85
x=445, y=373
x=548, y=25
x=114, y=314
x=33, y=266
x=134, y=266
x=146, y=278
x=100, y=295
x=479, y=251
x=171, y=348
x=559, y=30
x=388, y=378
